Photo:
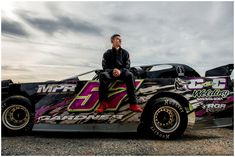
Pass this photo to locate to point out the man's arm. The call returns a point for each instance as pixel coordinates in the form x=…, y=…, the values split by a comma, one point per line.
x=127, y=62
x=105, y=63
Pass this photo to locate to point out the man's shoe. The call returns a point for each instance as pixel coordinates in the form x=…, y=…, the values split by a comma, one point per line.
x=135, y=108
x=102, y=107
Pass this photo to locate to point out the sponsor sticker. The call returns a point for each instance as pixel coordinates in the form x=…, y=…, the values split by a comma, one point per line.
x=80, y=117
x=214, y=107
x=56, y=88
x=204, y=90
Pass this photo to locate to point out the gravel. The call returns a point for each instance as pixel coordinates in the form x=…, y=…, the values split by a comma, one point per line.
x=194, y=142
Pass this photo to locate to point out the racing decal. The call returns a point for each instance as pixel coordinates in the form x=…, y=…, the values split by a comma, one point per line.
x=210, y=94
x=56, y=88
x=214, y=107
x=207, y=96
x=180, y=70
x=45, y=108
x=204, y=89
x=216, y=83
x=88, y=98
x=80, y=117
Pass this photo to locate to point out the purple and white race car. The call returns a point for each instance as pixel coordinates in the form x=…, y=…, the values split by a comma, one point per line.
x=174, y=97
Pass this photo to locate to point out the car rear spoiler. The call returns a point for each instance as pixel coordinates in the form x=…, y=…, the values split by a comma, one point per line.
x=225, y=70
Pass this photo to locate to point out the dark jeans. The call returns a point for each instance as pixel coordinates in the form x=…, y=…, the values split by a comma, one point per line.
x=107, y=78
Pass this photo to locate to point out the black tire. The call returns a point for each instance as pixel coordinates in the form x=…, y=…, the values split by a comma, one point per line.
x=17, y=116
x=167, y=119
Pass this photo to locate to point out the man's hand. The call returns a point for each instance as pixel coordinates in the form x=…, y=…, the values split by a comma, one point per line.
x=116, y=72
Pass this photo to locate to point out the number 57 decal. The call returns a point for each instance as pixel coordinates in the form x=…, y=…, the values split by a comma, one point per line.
x=88, y=98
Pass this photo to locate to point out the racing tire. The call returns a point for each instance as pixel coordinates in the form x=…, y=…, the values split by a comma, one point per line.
x=167, y=119
x=17, y=116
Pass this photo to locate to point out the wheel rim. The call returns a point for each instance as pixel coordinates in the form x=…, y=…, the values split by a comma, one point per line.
x=166, y=119
x=15, y=117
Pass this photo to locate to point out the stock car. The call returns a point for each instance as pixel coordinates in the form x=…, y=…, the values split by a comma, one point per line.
x=174, y=97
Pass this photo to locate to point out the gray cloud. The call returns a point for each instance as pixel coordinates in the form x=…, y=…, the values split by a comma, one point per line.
x=79, y=26
x=121, y=18
x=60, y=24
x=13, y=28
x=13, y=68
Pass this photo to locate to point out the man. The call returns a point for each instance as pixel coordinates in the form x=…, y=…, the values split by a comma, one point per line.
x=116, y=64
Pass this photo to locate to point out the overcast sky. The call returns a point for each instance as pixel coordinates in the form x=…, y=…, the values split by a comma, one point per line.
x=55, y=40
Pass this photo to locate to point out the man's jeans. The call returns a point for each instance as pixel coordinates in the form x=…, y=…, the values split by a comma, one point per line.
x=106, y=78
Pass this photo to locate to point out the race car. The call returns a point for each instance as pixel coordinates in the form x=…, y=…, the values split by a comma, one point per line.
x=174, y=97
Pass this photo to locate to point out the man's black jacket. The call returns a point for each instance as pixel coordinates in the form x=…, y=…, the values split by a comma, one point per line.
x=113, y=58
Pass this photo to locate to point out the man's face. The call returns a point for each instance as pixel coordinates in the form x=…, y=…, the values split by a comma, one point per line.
x=117, y=41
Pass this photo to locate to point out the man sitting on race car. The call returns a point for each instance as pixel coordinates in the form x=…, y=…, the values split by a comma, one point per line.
x=116, y=64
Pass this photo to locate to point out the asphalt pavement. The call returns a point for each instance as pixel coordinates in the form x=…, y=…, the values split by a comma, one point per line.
x=217, y=141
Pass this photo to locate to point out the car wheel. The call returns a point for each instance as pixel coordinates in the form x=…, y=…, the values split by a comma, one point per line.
x=17, y=116
x=167, y=119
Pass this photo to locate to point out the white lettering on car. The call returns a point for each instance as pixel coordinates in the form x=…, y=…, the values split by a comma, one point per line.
x=54, y=88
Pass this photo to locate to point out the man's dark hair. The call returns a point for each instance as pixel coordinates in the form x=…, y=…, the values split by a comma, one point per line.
x=113, y=36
